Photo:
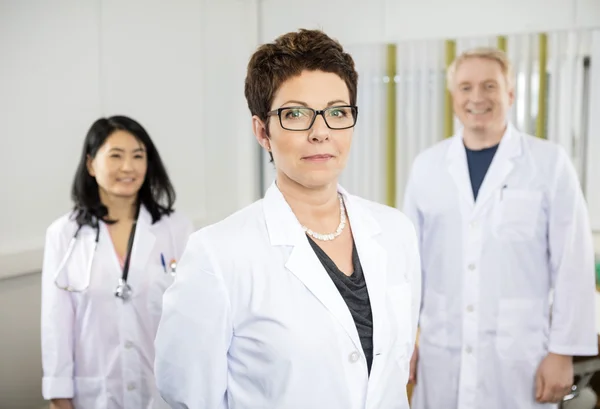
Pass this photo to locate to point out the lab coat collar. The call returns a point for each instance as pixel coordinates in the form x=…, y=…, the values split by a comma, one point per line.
x=143, y=245
x=144, y=239
x=283, y=226
x=510, y=147
x=285, y=230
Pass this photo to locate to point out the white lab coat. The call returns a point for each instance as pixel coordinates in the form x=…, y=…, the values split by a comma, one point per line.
x=254, y=321
x=489, y=268
x=96, y=348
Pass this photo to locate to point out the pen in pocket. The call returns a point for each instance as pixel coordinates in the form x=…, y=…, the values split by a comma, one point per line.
x=502, y=191
x=162, y=261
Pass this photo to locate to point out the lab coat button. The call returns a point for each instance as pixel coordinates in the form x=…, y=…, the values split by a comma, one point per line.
x=130, y=386
x=470, y=308
x=468, y=349
x=353, y=357
x=473, y=225
x=128, y=344
x=471, y=267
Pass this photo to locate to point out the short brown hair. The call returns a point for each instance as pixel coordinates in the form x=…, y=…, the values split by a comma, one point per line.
x=274, y=63
x=488, y=53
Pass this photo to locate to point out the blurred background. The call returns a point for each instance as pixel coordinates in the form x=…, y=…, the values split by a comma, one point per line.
x=178, y=67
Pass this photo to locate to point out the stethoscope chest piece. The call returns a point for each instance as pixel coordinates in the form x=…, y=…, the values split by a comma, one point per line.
x=123, y=290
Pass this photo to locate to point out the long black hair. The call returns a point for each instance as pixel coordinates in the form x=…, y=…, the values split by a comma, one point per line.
x=156, y=194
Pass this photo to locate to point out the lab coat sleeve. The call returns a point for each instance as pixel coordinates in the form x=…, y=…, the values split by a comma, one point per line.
x=415, y=267
x=411, y=209
x=57, y=318
x=573, y=326
x=194, y=334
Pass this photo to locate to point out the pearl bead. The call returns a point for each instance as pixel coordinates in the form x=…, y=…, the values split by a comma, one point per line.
x=338, y=231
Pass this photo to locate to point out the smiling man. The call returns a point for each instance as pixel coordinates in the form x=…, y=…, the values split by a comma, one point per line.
x=506, y=253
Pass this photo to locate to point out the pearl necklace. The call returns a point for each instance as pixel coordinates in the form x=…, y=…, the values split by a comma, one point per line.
x=338, y=231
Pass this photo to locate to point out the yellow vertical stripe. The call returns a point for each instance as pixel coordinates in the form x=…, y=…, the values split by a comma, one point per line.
x=502, y=43
x=540, y=126
x=391, y=127
x=448, y=113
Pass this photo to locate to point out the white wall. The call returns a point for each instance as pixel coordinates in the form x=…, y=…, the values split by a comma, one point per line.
x=49, y=94
x=20, y=355
x=178, y=67
x=407, y=19
x=230, y=36
x=373, y=21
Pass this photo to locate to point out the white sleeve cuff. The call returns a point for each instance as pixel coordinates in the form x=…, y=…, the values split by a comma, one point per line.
x=574, y=350
x=57, y=388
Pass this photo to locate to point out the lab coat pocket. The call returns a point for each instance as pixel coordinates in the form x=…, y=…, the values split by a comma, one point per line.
x=90, y=393
x=517, y=213
x=400, y=298
x=520, y=335
x=434, y=319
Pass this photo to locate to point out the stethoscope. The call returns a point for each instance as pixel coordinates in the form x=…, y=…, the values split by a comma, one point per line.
x=123, y=289
x=70, y=248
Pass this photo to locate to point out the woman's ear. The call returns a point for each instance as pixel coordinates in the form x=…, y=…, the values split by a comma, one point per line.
x=260, y=132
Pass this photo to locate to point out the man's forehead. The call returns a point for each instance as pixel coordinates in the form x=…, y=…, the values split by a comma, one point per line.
x=468, y=71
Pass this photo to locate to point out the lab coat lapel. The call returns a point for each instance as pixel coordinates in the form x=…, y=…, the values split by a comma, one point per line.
x=143, y=244
x=87, y=238
x=500, y=168
x=78, y=274
x=285, y=230
x=373, y=259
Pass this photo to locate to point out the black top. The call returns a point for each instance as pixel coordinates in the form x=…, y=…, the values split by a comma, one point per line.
x=479, y=162
x=353, y=290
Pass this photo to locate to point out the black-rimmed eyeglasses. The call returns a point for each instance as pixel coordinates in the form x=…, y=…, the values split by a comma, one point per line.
x=303, y=118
